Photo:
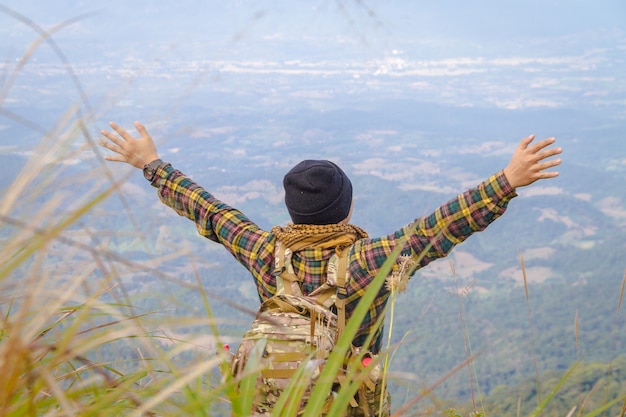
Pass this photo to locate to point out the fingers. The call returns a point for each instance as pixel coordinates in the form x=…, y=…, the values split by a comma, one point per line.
x=141, y=129
x=120, y=131
x=121, y=138
x=118, y=140
x=538, y=148
x=548, y=153
x=549, y=164
x=120, y=157
x=116, y=143
x=115, y=158
x=543, y=144
x=547, y=174
x=526, y=141
x=542, y=167
x=113, y=138
x=541, y=153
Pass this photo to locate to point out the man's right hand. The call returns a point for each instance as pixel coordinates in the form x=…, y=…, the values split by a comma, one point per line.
x=527, y=164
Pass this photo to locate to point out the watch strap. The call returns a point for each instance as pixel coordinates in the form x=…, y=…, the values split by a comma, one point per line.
x=151, y=168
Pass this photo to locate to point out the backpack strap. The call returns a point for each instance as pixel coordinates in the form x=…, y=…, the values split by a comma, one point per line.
x=333, y=291
x=286, y=279
x=342, y=292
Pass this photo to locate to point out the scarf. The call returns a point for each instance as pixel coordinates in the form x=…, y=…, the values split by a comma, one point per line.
x=300, y=236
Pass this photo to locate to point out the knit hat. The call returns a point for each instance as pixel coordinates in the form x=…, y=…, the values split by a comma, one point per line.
x=317, y=192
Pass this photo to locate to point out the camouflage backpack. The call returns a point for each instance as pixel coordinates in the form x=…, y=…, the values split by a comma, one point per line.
x=297, y=328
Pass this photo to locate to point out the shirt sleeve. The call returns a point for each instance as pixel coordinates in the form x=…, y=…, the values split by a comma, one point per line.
x=434, y=236
x=425, y=239
x=214, y=219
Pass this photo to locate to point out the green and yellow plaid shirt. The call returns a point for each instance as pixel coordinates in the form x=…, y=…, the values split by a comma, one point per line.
x=426, y=238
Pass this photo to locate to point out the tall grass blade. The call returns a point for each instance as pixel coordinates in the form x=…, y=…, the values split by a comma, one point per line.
x=553, y=392
x=402, y=410
x=606, y=407
x=46, y=36
x=532, y=330
x=335, y=360
x=247, y=384
x=289, y=401
x=613, y=342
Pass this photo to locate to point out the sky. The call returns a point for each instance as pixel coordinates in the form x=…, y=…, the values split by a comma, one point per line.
x=480, y=24
x=503, y=54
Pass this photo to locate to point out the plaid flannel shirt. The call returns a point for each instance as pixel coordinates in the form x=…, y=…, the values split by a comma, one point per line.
x=426, y=238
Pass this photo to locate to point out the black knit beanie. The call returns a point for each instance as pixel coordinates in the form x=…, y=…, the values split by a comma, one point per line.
x=317, y=192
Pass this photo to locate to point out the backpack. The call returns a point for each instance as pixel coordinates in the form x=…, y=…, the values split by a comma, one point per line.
x=299, y=329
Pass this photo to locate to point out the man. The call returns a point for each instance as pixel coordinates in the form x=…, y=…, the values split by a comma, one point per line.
x=318, y=196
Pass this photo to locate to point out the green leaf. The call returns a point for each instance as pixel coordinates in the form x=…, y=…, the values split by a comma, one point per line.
x=247, y=386
x=335, y=361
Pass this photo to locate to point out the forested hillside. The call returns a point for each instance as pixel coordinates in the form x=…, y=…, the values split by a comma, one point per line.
x=584, y=387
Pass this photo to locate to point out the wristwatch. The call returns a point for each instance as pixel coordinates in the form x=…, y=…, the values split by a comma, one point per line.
x=150, y=169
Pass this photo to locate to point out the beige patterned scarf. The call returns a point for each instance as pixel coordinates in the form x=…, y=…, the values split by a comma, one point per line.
x=299, y=236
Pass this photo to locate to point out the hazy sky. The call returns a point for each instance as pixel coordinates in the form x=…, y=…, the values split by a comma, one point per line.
x=507, y=54
x=454, y=25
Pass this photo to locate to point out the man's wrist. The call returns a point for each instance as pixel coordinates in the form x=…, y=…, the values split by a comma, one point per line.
x=509, y=177
x=151, y=168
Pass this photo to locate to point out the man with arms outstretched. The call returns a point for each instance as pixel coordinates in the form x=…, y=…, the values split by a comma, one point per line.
x=318, y=196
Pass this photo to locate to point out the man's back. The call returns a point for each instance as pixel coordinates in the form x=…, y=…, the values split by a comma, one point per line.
x=318, y=196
